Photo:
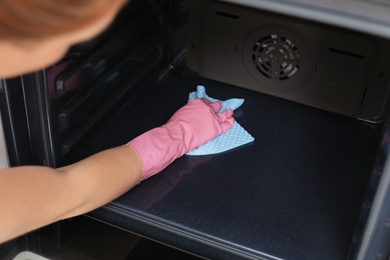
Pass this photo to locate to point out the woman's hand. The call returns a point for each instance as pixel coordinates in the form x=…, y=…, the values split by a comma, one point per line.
x=191, y=126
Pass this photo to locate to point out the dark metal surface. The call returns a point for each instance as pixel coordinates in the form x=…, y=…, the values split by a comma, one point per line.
x=294, y=193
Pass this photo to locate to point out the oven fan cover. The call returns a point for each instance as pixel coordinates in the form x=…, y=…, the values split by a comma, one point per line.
x=277, y=58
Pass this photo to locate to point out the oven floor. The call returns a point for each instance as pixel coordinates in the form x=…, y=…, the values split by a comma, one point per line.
x=295, y=192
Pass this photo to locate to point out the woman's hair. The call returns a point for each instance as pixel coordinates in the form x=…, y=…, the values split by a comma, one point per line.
x=38, y=19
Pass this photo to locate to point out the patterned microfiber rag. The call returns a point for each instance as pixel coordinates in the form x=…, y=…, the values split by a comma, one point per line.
x=234, y=137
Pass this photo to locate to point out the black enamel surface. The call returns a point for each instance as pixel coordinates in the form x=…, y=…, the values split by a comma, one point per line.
x=294, y=193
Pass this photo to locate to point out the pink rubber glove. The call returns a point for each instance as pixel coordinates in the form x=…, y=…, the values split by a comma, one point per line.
x=191, y=126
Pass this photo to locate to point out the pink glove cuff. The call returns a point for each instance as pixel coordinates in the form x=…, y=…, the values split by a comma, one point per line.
x=155, y=154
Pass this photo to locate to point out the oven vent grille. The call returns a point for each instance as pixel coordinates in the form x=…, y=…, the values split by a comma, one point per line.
x=276, y=57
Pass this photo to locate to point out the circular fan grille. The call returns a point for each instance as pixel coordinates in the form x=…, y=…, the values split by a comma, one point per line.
x=276, y=57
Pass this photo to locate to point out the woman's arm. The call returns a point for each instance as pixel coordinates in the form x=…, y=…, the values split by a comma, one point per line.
x=35, y=196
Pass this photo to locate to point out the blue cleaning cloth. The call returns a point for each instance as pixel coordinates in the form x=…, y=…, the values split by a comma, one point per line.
x=234, y=137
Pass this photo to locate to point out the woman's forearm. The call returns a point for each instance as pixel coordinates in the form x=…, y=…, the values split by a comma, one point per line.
x=35, y=196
